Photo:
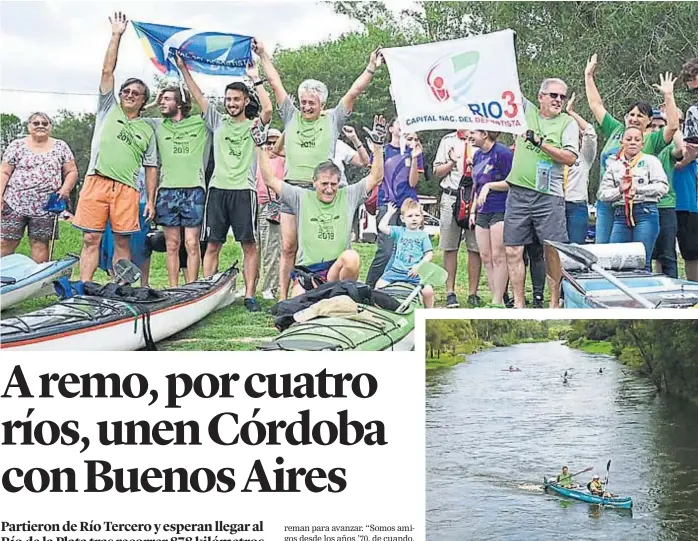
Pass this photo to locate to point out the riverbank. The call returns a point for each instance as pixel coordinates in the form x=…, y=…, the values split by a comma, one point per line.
x=449, y=360
x=601, y=347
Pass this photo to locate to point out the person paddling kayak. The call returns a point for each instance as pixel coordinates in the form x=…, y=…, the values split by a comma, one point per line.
x=596, y=487
x=324, y=215
x=564, y=479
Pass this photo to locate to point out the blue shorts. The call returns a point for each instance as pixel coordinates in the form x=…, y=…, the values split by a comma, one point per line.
x=180, y=207
x=321, y=269
x=393, y=275
x=140, y=250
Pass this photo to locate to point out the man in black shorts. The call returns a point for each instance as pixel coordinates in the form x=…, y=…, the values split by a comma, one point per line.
x=232, y=194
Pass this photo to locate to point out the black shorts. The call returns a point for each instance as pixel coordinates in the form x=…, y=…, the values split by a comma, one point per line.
x=688, y=234
x=236, y=209
x=488, y=219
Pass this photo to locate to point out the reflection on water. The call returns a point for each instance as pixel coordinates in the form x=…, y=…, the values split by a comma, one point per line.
x=493, y=434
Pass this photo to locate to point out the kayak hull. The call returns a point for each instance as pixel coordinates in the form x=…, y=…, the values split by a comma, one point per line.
x=86, y=323
x=32, y=279
x=580, y=495
x=590, y=290
x=395, y=332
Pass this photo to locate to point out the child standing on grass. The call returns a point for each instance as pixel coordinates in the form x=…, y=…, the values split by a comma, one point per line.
x=412, y=248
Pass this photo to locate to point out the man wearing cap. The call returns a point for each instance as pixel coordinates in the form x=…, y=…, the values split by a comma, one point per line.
x=232, y=195
x=122, y=141
x=453, y=164
x=268, y=219
x=596, y=487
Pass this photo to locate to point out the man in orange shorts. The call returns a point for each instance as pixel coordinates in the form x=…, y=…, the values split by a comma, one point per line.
x=121, y=143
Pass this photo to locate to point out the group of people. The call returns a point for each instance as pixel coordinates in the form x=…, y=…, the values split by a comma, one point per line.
x=595, y=486
x=286, y=199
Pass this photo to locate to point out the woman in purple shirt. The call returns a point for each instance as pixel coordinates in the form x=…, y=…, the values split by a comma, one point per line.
x=491, y=165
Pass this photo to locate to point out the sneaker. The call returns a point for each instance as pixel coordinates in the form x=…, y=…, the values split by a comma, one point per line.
x=451, y=300
x=508, y=301
x=252, y=305
x=538, y=301
x=268, y=295
x=474, y=301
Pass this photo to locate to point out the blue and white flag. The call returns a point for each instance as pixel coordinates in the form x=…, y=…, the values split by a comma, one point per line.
x=212, y=53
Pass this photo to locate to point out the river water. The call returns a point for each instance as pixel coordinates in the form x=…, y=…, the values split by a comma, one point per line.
x=492, y=435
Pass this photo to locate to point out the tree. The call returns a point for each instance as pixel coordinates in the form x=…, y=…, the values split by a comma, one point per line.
x=11, y=127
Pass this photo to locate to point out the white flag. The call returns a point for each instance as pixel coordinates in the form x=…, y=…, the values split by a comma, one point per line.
x=470, y=83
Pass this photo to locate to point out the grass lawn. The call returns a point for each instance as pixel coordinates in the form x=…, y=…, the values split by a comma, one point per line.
x=234, y=328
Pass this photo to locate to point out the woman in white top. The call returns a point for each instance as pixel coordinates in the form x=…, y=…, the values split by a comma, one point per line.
x=576, y=179
x=634, y=182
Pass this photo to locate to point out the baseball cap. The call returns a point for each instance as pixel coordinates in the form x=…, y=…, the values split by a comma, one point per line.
x=273, y=132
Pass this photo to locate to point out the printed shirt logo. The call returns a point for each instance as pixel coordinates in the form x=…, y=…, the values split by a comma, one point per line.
x=451, y=76
x=325, y=225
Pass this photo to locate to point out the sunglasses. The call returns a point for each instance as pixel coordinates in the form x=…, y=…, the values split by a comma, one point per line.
x=555, y=95
x=42, y=123
x=128, y=91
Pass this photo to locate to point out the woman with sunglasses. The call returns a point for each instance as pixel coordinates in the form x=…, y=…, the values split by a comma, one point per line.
x=33, y=168
x=639, y=115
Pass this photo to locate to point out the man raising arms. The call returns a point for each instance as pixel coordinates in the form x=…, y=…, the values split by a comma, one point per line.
x=232, y=197
x=121, y=142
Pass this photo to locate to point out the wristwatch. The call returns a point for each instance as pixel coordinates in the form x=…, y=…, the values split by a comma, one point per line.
x=260, y=82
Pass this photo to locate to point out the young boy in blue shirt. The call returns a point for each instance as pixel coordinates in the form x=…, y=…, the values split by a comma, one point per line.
x=412, y=248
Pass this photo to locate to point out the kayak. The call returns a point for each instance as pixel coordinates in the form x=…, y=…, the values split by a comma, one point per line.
x=584, y=496
x=389, y=332
x=101, y=324
x=591, y=290
x=588, y=289
x=23, y=278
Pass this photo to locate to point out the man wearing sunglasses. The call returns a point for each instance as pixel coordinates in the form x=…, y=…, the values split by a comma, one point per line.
x=536, y=203
x=122, y=141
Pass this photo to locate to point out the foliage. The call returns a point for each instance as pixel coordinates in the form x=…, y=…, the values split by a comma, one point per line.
x=664, y=350
x=11, y=127
x=466, y=336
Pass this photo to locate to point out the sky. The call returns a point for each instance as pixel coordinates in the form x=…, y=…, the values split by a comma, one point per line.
x=58, y=46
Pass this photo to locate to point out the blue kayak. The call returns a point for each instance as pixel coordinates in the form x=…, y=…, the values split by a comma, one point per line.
x=22, y=278
x=584, y=496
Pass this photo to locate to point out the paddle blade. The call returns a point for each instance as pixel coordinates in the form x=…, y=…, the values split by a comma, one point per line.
x=576, y=252
x=126, y=272
x=433, y=275
x=608, y=466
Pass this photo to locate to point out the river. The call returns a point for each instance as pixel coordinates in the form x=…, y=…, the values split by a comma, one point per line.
x=492, y=435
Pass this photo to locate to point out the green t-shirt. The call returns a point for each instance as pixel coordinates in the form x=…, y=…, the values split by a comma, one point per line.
x=309, y=143
x=233, y=152
x=668, y=164
x=119, y=145
x=183, y=148
x=324, y=229
x=534, y=169
x=613, y=130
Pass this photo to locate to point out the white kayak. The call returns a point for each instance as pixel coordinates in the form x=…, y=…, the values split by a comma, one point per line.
x=22, y=278
x=90, y=323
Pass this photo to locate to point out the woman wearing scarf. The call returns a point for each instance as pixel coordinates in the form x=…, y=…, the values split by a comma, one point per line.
x=639, y=115
x=633, y=183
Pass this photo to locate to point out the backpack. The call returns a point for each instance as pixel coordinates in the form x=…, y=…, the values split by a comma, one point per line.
x=464, y=201
x=464, y=195
x=371, y=203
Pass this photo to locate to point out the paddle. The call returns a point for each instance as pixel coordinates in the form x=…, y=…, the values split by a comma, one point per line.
x=429, y=274
x=55, y=205
x=589, y=260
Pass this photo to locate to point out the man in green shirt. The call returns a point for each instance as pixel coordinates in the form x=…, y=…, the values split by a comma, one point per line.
x=310, y=138
x=324, y=215
x=536, y=203
x=121, y=142
x=564, y=479
x=232, y=194
x=183, y=151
